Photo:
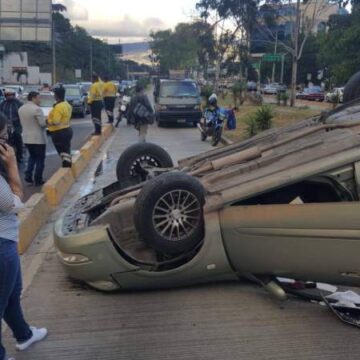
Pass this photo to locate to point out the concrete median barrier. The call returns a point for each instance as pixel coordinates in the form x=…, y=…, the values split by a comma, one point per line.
x=88, y=150
x=58, y=185
x=32, y=217
x=38, y=208
x=79, y=165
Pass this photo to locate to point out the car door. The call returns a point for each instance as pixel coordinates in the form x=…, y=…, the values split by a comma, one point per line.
x=318, y=242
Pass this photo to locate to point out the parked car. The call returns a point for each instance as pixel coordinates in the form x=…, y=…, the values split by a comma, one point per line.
x=251, y=86
x=177, y=101
x=314, y=93
x=283, y=203
x=77, y=98
x=336, y=95
x=273, y=89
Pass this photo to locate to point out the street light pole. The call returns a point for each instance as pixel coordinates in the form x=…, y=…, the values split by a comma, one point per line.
x=53, y=53
x=91, y=59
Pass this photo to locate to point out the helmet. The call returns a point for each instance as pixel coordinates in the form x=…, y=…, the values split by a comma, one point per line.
x=9, y=91
x=212, y=100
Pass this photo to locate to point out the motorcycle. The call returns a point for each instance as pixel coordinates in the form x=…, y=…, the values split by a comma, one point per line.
x=212, y=124
x=124, y=105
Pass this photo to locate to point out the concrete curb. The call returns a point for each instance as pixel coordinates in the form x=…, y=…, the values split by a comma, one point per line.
x=225, y=141
x=39, y=207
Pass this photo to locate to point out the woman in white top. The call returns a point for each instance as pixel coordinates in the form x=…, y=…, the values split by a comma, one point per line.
x=10, y=272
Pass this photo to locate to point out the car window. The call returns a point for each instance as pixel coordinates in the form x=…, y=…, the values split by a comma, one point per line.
x=319, y=189
x=72, y=91
x=179, y=89
x=47, y=101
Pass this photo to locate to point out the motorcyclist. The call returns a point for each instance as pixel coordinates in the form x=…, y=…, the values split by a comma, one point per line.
x=213, y=108
x=10, y=108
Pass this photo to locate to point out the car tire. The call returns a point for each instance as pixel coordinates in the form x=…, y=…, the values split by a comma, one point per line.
x=352, y=88
x=130, y=170
x=169, y=213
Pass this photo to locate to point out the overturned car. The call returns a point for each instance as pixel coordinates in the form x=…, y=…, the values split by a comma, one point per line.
x=282, y=204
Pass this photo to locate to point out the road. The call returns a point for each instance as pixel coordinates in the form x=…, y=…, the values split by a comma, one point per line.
x=226, y=321
x=82, y=130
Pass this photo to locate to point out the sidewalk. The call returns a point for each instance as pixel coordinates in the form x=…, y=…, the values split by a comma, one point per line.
x=219, y=321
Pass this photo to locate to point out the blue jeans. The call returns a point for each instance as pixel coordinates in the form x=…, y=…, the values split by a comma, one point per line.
x=10, y=292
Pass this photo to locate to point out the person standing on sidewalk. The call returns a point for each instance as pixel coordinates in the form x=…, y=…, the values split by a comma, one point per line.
x=95, y=101
x=140, y=112
x=33, y=123
x=10, y=108
x=110, y=91
x=59, y=127
x=10, y=271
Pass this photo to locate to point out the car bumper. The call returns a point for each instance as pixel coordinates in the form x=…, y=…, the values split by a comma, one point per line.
x=90, y=256
x=179, y=116
x=77, y=109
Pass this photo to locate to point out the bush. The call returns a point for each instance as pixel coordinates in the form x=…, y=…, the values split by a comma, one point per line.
x=263, y=117
x=284, y=97
x=259, y=121
x=251, y=127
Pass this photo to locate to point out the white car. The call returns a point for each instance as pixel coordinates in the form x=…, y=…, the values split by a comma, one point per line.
x=336, y=93
x=47, y=101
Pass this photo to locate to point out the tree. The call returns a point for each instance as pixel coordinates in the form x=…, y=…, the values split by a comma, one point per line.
x=304, y=17
x=184, y=48
x=235, y=19
x=58, y=8
x=340, y=47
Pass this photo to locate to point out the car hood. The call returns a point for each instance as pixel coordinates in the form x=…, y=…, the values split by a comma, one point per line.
x=46, y=110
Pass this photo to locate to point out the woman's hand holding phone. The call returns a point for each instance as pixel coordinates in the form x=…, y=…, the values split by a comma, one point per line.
x=7, y=155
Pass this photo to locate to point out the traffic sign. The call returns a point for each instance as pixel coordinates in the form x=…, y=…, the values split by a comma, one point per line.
x=272, y=57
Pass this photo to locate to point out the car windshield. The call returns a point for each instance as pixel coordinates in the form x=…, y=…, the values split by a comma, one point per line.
x=179, y=89
x=315, y=89
x=47, y=100
x=72, y=91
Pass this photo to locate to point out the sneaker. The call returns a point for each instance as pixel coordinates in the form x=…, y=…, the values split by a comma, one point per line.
x=37, y=335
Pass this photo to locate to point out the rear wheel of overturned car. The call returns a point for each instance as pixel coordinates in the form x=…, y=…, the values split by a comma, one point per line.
x=169, y=213
x=137, y=160
x=352, y=88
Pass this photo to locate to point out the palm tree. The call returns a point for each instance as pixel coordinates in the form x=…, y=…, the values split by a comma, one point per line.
x=57, y=8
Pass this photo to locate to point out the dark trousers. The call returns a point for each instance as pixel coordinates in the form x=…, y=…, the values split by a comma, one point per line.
x=109, y=107
x=10, y=292
x=62, y=142
x=95, y=108
x=36, y=161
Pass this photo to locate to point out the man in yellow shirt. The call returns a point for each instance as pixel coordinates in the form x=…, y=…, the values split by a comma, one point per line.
x=59, y=126
x=95, y=101
x=110, y=91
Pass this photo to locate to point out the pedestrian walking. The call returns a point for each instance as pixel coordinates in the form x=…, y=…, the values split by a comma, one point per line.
x=110, y=91
x=10, y=108
x=59, y=126
x=95, y=101
x=33, y=123
x=10, y=271
x=140, y=112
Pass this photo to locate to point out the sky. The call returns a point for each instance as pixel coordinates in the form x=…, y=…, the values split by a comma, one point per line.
x=127, y=21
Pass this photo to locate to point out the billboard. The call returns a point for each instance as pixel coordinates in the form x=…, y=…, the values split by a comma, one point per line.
x=25, y=20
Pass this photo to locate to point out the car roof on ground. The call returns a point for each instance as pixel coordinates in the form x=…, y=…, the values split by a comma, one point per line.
x=280, y=157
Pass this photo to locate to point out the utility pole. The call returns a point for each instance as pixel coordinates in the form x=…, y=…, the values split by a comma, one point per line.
x=282, y=68
x=274, y=63
x=295, y=55
x=53, y=53
x=91, y=59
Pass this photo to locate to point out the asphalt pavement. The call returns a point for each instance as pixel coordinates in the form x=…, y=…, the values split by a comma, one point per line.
x=82, y=131
x=224, y=321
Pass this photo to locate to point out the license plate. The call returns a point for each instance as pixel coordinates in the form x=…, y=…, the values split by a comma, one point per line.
x=181, y=121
